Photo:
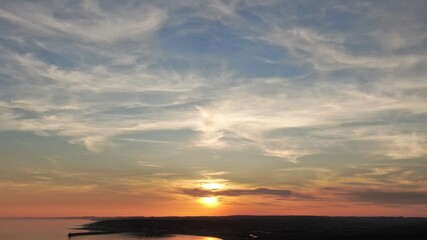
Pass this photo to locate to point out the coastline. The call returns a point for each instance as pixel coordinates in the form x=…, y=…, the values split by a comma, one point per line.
x=265, y=227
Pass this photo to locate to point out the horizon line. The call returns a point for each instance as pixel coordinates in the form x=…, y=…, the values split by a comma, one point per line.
x=212, y=216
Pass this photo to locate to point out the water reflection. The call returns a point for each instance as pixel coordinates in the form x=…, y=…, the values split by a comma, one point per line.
x=37, y=229
x=130, y=237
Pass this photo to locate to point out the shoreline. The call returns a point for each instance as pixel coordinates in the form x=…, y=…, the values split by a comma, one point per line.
x=268, y=227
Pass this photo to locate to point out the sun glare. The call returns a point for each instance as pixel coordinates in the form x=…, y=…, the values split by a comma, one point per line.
x=209, y=201
x=212, y=186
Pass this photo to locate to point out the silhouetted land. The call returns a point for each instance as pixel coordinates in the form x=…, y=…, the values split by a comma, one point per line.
x=270, y=227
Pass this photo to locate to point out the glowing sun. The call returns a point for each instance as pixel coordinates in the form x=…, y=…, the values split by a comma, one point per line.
x=209, y=201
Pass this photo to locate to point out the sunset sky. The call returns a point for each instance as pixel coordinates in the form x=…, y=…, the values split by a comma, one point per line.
x=160, y=108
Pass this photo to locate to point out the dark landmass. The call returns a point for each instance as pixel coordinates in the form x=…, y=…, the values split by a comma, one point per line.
x=53, y=218
x=269, y=227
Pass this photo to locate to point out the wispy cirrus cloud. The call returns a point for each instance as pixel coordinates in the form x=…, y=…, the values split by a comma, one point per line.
x=84, y=20
x=91, y=72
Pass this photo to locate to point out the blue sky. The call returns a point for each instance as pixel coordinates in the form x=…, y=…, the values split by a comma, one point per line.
x=322, y=98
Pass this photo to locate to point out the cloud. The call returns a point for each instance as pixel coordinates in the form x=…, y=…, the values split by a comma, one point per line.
x=86, y=22
x=390, y=197
x=92, y=72
x=281, y=193
x=407, y=146
x=209, y=174
x=327, y=53
x=358, y=41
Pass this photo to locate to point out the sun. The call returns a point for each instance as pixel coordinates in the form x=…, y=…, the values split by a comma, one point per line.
x=209, y=201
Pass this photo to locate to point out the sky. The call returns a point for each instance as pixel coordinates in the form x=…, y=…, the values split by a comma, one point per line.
x=160, y=108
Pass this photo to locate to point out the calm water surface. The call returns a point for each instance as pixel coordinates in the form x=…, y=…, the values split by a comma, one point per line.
x=57, y=229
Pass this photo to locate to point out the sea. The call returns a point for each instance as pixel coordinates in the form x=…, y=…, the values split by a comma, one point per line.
x=57, y=229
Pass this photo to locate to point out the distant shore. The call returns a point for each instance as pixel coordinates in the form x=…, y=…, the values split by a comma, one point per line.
x=266, y=227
